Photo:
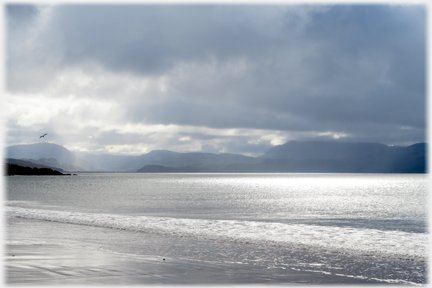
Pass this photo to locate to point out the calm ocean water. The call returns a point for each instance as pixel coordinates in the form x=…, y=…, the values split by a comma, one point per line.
x=368, y=226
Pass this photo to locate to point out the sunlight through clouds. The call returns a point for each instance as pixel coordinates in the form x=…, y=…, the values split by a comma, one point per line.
x=239, y=79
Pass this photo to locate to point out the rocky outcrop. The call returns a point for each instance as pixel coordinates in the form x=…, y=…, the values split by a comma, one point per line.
x=13, y=169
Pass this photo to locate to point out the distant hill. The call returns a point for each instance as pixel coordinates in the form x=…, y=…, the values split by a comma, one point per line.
x=351, y=157
x=293, y=156
x=164, y=158
x=24, y=163
x=164, y=169
x=57, y=156
x=194, y=159
x=302, y=150
x=48, y=154
x=320, y=157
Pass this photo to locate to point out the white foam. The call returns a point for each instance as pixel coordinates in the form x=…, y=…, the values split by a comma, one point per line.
x=371, y=242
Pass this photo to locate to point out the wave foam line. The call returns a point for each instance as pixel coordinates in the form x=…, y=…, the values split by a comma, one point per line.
x=366, y=242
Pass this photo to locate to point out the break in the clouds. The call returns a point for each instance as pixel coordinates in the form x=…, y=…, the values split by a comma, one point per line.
x=217, y=78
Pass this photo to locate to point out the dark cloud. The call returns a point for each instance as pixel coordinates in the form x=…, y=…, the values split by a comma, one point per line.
x=217, y=115
x=152, y=38
x=20, y=14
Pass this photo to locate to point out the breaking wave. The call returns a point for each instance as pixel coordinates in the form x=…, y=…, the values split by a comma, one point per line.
x=352, y=241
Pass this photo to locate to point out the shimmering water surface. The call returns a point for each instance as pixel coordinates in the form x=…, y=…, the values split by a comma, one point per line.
x=358, y=225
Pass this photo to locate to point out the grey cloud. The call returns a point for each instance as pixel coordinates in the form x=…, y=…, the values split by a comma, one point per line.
x=353, y=69
x=216, y=115
x=151, y=38
x=20, y=14
x=321, y=117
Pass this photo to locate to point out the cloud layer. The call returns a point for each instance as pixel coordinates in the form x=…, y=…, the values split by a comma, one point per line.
x=234, y=78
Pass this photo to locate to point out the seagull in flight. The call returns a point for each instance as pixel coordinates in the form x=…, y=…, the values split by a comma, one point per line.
x=43, y=135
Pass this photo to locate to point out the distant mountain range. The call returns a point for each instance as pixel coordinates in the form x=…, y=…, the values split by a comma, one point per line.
x=293, y=156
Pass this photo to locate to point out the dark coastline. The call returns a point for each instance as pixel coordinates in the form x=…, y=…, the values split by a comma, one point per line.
x=13, y=169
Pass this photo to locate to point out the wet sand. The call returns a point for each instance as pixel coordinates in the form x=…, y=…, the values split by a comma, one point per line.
x=46, y=264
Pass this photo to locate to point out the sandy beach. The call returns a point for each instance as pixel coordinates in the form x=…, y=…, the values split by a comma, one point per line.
x=51, y=253
x=40, y=264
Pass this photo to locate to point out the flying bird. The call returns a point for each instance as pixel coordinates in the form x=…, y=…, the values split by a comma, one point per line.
x=43, y=135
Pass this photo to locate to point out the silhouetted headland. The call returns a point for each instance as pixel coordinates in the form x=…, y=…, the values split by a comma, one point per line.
x=13, y=169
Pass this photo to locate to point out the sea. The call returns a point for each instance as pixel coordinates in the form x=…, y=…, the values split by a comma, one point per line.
x=359, y=226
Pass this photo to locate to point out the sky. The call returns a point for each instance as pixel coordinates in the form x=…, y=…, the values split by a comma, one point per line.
x=236, y=78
